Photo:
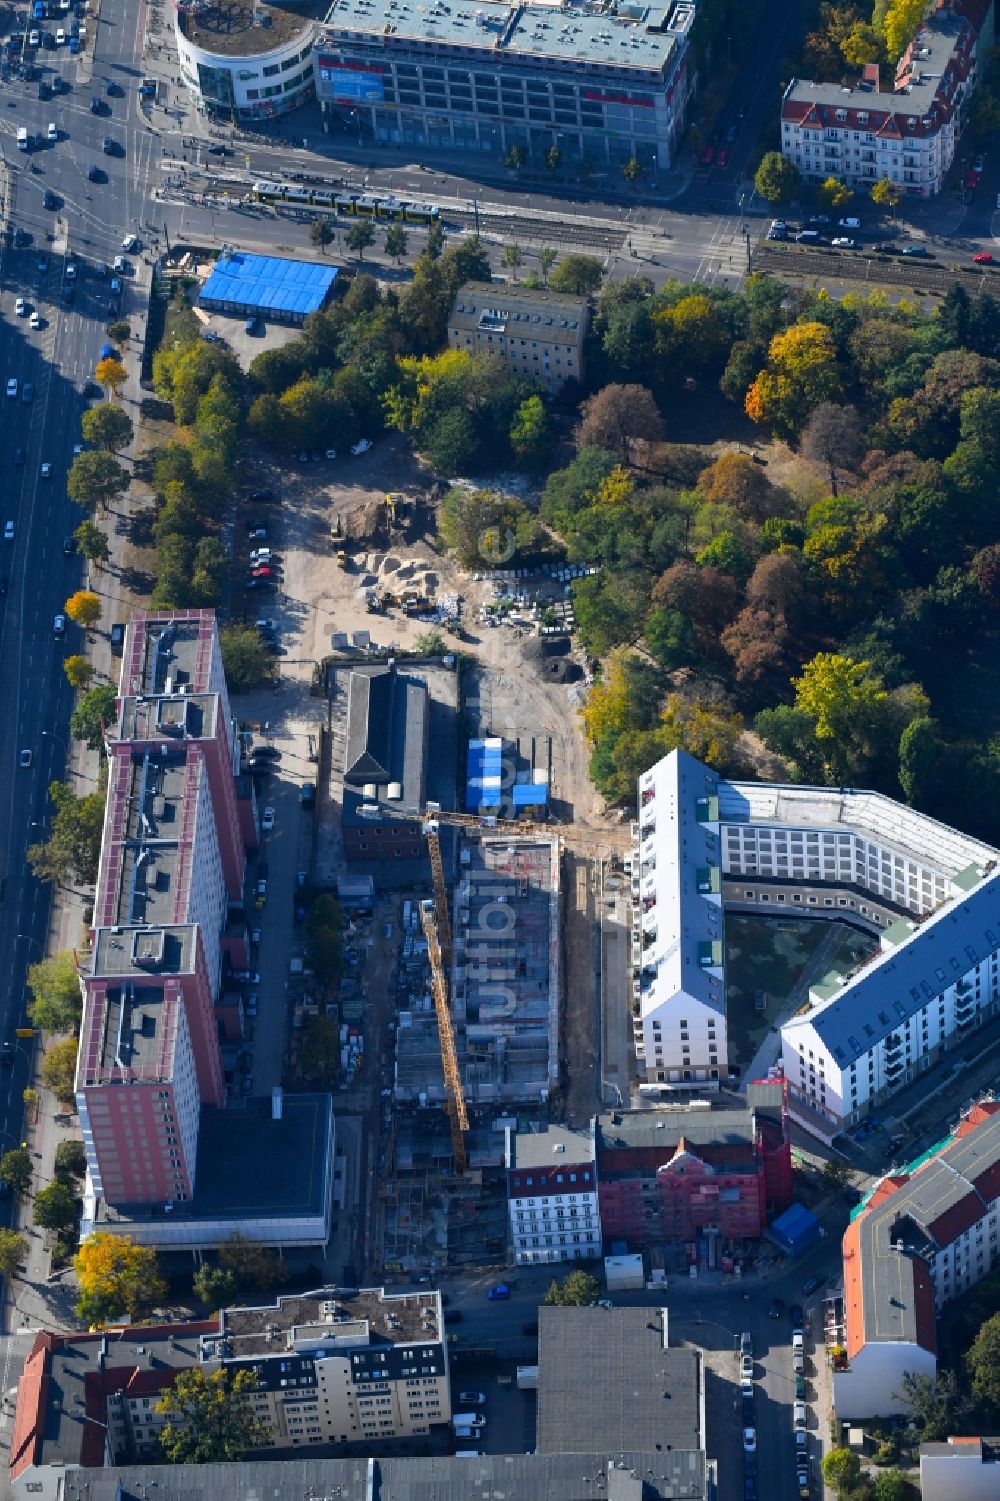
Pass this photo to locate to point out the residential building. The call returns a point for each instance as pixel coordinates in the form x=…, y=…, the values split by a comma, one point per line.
x=680, y=1028
x=603, y=85
x=352, y=1367
x=608, y=1378
x=533, y=332
x=692, y=1175
x=385, y=764
x=903, y=127
x=250, y=62
x=552, y=1195
x=706, y=846
x=925, y=1235
x=658, y=1475
x=962, y=1469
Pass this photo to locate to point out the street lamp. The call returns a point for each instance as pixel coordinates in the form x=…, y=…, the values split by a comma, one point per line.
x=51, y=735
x=29, y=938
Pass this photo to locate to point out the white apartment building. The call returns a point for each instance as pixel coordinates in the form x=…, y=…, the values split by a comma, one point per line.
x=677, y=936
x=552, y=1195
x=706, y=846
x=924, y=1237
x=904, y=128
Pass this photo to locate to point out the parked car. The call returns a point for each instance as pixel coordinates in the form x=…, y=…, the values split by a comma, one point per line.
x=24, y=760
x=500, y=1292
x=801, y=1438
x=267, y=822
x=474, y=1399
x=844, y=242
x=915, y=250
x=984, y=258
x=849, y=223
x=361, y=446
x=777, y=1308
x=799, y=1414
x=746, y=1367
x=750, y=1440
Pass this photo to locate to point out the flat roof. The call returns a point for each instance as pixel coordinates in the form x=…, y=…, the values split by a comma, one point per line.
x=640, y=38
x=497, y=309
x=652, y=1128
x=168, y=950
x=138, y=1033
x=190, y=716
x=593, y=1476
x=251, y=1167
x=556, y=1146
x=242, y=28
x=267, y=284
x=346, y=1317
x=175, y=647
x=603, y=1374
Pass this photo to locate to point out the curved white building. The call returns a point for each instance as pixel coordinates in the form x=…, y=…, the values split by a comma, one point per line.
x=246, y=61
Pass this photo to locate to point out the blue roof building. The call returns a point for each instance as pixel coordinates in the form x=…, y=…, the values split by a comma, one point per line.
x=265, y=286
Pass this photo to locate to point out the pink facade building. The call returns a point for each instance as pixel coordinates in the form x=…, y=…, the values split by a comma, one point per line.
x=171, y=871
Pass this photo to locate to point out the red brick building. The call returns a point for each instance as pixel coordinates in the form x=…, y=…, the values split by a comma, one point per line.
x=670, y=1175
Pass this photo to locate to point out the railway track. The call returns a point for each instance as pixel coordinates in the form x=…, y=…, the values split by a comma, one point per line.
x=528, y=227
x=873, y=270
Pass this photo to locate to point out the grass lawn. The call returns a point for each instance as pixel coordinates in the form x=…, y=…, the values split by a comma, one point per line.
x=769, y=955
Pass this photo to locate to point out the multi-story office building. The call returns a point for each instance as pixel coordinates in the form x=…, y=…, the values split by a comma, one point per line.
x=599, y=84
x=248, y=62
x=352, y=1368
x=537, y=333
x=925, y=1235
x=552, y=1194
x=903, y=127
x=705, y=846
x=171, y=868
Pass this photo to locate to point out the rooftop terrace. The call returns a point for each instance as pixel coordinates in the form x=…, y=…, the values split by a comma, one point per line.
x=241, y=28
x=333, y=1317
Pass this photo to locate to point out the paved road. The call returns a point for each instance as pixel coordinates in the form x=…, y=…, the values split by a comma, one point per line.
x=83, y=229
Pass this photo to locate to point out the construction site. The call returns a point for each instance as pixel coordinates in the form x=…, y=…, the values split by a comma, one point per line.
x=476, y=1046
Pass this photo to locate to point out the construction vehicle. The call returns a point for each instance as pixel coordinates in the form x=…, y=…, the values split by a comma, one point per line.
x=336, y=530
x=341, y=555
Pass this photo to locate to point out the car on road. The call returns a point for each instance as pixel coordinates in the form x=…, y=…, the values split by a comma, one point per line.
x=307, y=794
x=979, y=165
x=24, y=759
x=251, y=1004
x=801, y=1439
x=18, y=457
x=849, y=223
x=809, y=235
x=722, y=159
x=59, y=626
x=12, y=386
x=800, y=1388
x=474, y=1399
x=217, y=150
x=111, y=146
x=69, y=546
x=802, y=1481
x=266, y=624
x=256, y=530
x=984, y=258
x=94, y=173
x=246, y=977
x=844, y=242
x=21, y=308
x=798, y=1362
x=799, y=1414
x=776, y=1309
x=115, y=289
x=916, y=250
x=49, y=199
x=708, y=156
x=27, y=393
x=747, y=1411
x=34, y=37
x=262, y=571
x=8, y=531
x=260, y=555
x=331, y=453
x=267, y=822
x=51, y=133
x=60, y=38
x=499, y=1293
x=120, y=264
x=361, y=446
x=750, y=1441
x=746, y=1387
x=812, y=1285
x=118, y=638
x=746, y=1367
x=35, y=321
x=131, y=242
x=818, y=219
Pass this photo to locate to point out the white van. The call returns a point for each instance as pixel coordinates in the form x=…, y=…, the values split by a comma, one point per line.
x=22, y=138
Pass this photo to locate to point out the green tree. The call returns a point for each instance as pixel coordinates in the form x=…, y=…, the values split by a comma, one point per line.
x=325, y=940
x=982, y=1360
x=886, y=194
x=890, y=1485
x=214, y=1285
x=938, y=1404
x=321, y=234
x=616, y=417
x=434, y=243
x=55, y=1208
x=93, y=714
x=116, y=1276
x=359, y=237
x=841, y=1470
x=70, y=1161
x=58, y=1071
x=577, y=274
x=837, y=1174
x=208, y=574
x=73, y=847
x=120, y=331
x=56, y=1003
x=107, y=427
x=91, y=541
x=513, y=256
x=244, y=658
x=95, y=479
x=484, y=528
x=777, y=179
x=576, y=1290
x=530, y=432
x=319, y=1050
x=547, y=258
x=78, y=670
x=13, y=1251
x=516, y=158
x=15, y=1169
x=833, y=195
x=429, y=644
x=396, y=241
x=210, y=1417
x=254, y=1266
x=901, y=20
x=670, y=638
x=921, y=752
